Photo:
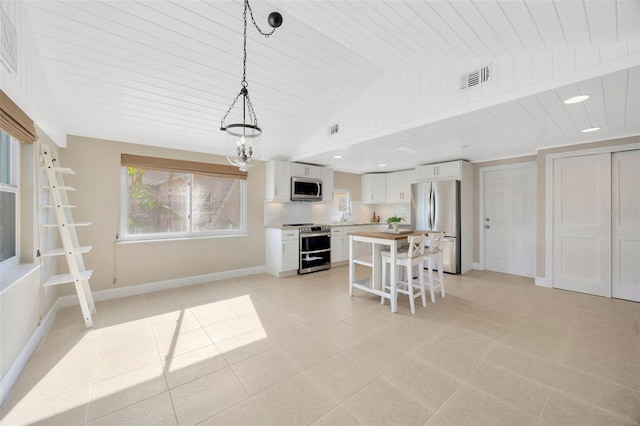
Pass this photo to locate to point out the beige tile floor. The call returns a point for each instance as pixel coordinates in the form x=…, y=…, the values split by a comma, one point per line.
x=295, y=351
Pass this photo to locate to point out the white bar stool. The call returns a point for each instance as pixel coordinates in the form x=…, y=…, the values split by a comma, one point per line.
x=413, y=256
x=434, y=259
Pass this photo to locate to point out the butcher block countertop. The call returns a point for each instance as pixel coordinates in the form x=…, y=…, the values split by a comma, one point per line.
x=389, y=235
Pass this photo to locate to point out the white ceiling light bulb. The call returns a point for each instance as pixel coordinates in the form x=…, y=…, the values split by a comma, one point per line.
x=576, y=99
x=382, y=165
x=337, y=156
x=590, y=129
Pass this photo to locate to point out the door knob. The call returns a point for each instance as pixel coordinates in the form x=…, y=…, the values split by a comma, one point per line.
x=487, y=226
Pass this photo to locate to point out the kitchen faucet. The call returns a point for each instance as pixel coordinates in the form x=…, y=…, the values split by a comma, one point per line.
x=345, y=211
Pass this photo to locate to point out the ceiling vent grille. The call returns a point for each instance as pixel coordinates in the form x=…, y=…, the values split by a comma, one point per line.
x=474, y=78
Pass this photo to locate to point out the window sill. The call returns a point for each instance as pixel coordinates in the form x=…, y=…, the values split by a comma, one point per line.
x=161, y=240
x=14, y=274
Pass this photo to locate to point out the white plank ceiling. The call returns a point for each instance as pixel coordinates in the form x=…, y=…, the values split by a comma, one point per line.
x=164, y=72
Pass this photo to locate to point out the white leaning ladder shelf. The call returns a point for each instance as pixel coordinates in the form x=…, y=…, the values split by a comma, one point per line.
x=71, y=249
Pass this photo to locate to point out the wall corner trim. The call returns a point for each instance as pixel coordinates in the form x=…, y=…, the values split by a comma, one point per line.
x=9, y=379
x=542, y=282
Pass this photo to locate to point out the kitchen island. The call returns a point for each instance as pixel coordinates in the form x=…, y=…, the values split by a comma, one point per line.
x=379, y=241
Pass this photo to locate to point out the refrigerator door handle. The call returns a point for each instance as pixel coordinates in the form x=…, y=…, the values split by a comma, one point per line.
x=432, y=205
x=433, y=221
x=429, y=215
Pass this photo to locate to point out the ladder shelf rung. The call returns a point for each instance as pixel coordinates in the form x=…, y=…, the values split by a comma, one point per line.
x=61, y=170
x=55, y=225
x=61, y=251
x=67, y=278
x=60, y=188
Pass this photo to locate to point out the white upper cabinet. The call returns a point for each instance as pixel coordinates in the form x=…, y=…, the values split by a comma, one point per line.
x=278, y=181
x=374, y=188
x=306, y=170
x=327, y=184
x=452, y=169
x=399, y=187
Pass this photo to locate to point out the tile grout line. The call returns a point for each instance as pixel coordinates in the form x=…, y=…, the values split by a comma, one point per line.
x=561, y=365
x=93, y=374
x=162, y=366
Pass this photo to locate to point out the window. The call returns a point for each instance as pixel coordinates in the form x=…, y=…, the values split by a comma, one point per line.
x=171, y=203
x=9, y=195
x=342, y=203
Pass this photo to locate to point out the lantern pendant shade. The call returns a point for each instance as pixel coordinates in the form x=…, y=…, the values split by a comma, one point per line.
x=242, y=145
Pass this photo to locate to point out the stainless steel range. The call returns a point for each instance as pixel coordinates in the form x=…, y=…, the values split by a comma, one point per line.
x=315, y=248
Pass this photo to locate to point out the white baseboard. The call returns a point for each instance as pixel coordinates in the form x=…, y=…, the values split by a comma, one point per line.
x=542, y=282
x=134, y=290
x=478, y=267
x=9, y=379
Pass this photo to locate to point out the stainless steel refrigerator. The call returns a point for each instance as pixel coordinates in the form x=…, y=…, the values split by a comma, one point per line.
x=435, y=206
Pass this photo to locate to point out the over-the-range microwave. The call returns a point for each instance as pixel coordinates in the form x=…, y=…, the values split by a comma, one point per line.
x=306, y=189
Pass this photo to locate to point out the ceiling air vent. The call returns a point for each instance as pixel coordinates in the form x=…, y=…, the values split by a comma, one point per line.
x=334, y=129
x=474, y=78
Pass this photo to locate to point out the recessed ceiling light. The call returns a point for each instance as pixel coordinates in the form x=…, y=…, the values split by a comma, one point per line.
x=576, y=99
x=405, y=149
x=590, y=129
x=382, y=165
x=466, y=146
x=337, y=156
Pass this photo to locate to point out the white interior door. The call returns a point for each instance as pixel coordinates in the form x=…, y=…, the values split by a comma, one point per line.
x=625, y=225
x=510, y=220
x=582, y=224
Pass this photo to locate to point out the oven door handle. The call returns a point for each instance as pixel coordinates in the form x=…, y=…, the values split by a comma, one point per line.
x=317, y=234
x=315, y=251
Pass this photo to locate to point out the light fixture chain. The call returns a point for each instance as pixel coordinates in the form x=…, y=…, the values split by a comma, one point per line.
x=244, y=60
x=252, y=114
x=229, y=110
x=247, y=6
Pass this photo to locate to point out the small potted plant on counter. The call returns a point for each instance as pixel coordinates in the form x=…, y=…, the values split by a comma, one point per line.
x=394, y=221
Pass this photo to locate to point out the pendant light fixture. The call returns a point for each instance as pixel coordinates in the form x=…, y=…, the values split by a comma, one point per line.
x=242, y=136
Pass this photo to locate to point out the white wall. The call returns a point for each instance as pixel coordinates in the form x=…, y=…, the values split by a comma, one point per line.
x=27, y=86
x=23, y=299
x=98, y=199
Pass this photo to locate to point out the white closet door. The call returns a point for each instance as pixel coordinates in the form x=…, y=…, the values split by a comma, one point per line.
x=625, y=224
x=510, y=221
x=582, y=224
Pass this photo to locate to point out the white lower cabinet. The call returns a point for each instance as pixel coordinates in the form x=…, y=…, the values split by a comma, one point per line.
x=339, y=249
x=282, y=254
